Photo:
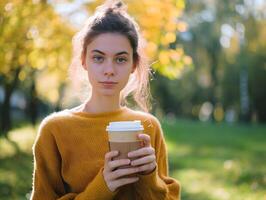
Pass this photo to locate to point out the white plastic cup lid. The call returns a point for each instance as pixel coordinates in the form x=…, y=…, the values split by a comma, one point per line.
x=125, y=126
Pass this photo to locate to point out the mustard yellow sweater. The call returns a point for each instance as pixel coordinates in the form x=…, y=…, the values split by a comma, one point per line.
x=69, y=157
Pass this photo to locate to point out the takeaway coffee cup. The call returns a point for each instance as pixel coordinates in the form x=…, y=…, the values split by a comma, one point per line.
x=123, y=138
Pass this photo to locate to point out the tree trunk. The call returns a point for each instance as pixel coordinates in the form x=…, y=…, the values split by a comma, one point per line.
x=58, y=105
x=244, y=95
x=214, y=79
x=33, y=109
x=9, y=87
x=5, y=114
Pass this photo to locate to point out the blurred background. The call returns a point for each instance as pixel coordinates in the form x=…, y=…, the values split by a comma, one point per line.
x=208, y=86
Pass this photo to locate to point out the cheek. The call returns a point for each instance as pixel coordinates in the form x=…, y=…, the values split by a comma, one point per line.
x=124, y=76
x=92, y=73
x=94, y=68
x=126, y=69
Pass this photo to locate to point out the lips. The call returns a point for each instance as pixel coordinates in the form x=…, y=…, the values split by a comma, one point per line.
x=108, y=84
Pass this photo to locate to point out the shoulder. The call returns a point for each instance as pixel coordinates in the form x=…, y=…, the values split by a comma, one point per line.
x=52, y=122
x=54, y=118
x=48, y=126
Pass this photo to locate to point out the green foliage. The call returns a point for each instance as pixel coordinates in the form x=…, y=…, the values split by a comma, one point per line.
x=219, y=61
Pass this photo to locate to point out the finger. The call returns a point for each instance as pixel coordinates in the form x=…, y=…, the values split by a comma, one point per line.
x=146, y=138
x=109, y=156
x=117, y=163
x=141, y=152
x=122, y=172
x=143, y=160
x=147, y=167
x=125, y=181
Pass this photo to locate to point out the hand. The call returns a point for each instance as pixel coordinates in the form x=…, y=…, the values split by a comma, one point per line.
x=113, y=176
x=147, y=163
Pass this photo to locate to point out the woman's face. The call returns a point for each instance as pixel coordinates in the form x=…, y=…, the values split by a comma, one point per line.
x=109, y=62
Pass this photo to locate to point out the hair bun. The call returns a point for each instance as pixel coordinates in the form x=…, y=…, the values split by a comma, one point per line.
x=119, y=4
x=112, y=6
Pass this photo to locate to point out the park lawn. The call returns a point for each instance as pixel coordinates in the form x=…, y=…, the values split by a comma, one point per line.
x=217, y=161
x=211, y=161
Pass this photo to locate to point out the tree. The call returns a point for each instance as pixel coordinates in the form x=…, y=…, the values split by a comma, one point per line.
x=219, y=52
x=32, y=39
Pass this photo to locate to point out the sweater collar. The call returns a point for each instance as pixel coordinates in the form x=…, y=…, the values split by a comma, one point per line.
x=101, y=114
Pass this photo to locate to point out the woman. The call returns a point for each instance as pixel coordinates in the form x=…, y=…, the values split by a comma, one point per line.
x=71, y=154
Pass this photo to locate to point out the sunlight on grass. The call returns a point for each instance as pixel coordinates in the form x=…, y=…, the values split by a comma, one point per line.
x=16, y=163
x=7, y=176
x=178, y=149
x=217, y=162
x=197, y=179
x=6, y=149
x=198, y=182
x=24, y=137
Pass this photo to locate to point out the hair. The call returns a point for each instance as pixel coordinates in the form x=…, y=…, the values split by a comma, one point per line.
x=112, y=17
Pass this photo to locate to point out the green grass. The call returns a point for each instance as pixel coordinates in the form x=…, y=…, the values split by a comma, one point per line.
x=212, y=161
x=217, y=161
x=16, y=163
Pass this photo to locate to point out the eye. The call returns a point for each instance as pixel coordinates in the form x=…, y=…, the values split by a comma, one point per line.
x=120, y=60
x=98, y=59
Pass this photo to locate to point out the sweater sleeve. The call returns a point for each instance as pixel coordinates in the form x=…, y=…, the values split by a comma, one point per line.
x=158, y=185
x=48, y=183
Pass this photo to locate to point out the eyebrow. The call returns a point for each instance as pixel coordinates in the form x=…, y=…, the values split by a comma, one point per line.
x=100, y=52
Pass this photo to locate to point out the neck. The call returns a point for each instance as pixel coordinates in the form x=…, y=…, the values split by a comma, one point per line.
x=98, y=104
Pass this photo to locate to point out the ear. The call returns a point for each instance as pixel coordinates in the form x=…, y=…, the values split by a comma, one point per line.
x=84, y=64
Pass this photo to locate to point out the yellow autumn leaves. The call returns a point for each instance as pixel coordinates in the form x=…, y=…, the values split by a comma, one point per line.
x=160, y=24
x=34, y=37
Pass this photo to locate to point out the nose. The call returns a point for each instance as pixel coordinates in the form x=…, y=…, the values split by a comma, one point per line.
x=109, y=69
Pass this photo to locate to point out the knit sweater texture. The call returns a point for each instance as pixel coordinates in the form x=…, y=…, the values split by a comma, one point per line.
x=69, y=153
